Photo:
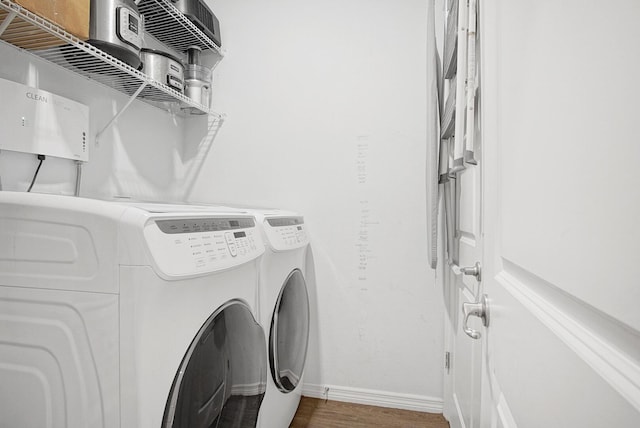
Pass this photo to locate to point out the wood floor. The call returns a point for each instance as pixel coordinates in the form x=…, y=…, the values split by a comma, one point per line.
x=316, y=413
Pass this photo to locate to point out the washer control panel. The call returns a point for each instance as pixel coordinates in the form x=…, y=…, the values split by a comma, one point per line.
x=285, y=233
x=198, y=245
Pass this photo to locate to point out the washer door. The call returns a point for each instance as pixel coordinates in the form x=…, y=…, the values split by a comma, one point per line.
x=222, y=378
x=289, y=334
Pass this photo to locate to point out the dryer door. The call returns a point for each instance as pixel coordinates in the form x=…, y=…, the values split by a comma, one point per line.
x=289, y=334
x=222, y=378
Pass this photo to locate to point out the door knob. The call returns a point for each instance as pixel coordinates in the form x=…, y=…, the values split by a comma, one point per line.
x=478, y=309
x=474, y=270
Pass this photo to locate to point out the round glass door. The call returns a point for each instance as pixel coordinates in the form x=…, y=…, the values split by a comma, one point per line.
x=222, y=378
x=289, y=333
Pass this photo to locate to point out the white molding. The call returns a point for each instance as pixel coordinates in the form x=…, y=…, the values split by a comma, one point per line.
x=419, y=403
x=504, y=414
x=291, y=375
x=459, y=419
x=615, y=367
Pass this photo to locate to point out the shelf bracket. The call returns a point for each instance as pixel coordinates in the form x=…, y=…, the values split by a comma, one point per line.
x=122, y=110
x=7, y=21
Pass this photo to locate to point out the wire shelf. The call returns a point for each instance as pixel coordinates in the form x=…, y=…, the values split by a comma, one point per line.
x=167, y=24
x=26, y=30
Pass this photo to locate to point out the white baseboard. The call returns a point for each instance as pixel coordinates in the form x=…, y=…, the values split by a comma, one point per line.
x=291, y=375
x=419, y=403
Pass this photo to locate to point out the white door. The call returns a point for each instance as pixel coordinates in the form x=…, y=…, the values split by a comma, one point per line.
x=462, y=408
x=561, y=213
x=463, y=274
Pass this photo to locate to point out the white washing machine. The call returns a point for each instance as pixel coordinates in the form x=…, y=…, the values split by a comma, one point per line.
x=284, y=313
x=129, y=316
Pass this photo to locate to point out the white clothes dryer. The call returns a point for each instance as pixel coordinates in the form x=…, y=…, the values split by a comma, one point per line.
x=284, y=313
x=129, y=316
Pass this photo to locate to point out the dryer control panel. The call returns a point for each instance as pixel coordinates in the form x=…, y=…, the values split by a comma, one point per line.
x=183, y=247
x=285, y=233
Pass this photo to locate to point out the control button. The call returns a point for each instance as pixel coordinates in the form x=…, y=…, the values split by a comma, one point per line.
x=231, y=244
x=233, y=250
x=229, y=237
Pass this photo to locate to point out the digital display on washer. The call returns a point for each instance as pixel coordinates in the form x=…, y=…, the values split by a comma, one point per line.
x=196, y=225
x=285, y=221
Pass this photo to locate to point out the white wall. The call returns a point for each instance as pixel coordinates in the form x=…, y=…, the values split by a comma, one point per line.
x=326, y=104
